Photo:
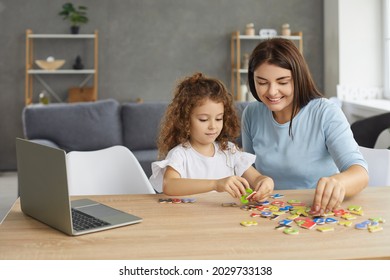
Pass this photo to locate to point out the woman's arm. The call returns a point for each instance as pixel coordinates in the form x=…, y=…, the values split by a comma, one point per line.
x=173, y=184
x=330, y=191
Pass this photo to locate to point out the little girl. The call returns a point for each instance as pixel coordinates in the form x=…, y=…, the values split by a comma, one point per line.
x=197, y=141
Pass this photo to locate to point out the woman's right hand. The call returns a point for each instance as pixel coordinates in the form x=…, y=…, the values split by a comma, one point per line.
x=234, y=185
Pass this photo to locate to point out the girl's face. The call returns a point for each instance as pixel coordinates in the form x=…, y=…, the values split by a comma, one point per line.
x=206, y=123
x=275, y=88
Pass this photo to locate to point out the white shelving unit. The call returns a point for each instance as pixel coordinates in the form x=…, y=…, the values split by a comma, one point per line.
x=235, y=48
x=38, y=73
x=64, y=71
x=61, y=36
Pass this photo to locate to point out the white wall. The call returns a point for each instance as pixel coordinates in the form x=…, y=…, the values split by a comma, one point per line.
x=386, y=46
x=331, y=47
x=353, y=44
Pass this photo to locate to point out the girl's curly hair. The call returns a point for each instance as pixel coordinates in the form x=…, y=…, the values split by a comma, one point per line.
x=191, y=92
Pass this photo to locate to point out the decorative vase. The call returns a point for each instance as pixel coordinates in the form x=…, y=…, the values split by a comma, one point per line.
x=44, y=98
x=74, y=29
x=250, y=29
x=78, y=65
x=286, y=31
x=245, y=61
x=244, y=93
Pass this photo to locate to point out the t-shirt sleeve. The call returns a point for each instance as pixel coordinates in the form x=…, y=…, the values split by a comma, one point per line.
x=242, y=160
x=174, y=159
x=340, y=142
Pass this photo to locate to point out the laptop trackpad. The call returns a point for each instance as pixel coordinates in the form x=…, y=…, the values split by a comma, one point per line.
x=100, y=211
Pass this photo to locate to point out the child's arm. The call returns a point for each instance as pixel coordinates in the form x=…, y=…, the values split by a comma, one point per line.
x=173, y=184
x=263, y=185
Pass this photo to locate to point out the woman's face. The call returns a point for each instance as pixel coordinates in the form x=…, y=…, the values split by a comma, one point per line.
x=275, y=88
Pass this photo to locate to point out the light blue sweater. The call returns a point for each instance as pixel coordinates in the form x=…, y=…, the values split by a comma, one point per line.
x=323, y=144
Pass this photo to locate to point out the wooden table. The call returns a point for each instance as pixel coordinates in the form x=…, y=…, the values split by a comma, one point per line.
x=203, y=230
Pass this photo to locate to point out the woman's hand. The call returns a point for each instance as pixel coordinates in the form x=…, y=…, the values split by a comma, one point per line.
x=328, y=196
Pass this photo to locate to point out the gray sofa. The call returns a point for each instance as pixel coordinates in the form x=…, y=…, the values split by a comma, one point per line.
x=96, y=125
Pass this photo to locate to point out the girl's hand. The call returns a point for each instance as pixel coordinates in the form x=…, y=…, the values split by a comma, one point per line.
x=328, y=195
x=234, y=185
x=264, y=186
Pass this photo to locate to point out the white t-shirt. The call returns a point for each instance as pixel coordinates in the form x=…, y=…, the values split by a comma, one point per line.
x=193, y=165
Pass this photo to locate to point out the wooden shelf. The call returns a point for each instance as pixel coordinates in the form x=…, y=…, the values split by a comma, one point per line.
x=61, y=36
x=61, y=71
x=257, y=37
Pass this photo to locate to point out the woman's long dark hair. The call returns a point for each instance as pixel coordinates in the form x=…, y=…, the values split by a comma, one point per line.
x=283, y=53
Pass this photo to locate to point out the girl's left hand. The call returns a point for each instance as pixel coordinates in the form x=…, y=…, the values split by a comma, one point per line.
x=328, y=195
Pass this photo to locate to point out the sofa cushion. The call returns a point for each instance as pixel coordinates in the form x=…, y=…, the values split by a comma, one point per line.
x=81, y=126
x=141, y=124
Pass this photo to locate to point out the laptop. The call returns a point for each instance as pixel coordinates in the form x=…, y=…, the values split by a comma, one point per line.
x=44, y=195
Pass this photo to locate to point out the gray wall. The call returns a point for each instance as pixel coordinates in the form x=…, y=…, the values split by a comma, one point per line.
x=145, y=46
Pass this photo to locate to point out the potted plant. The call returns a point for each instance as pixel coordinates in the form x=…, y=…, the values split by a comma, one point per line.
x=76, y=16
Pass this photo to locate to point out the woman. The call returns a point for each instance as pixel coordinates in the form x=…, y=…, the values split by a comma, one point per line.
x=300, y=139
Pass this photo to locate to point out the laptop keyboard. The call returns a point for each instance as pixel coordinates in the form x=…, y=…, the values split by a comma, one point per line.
x=82, y=221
